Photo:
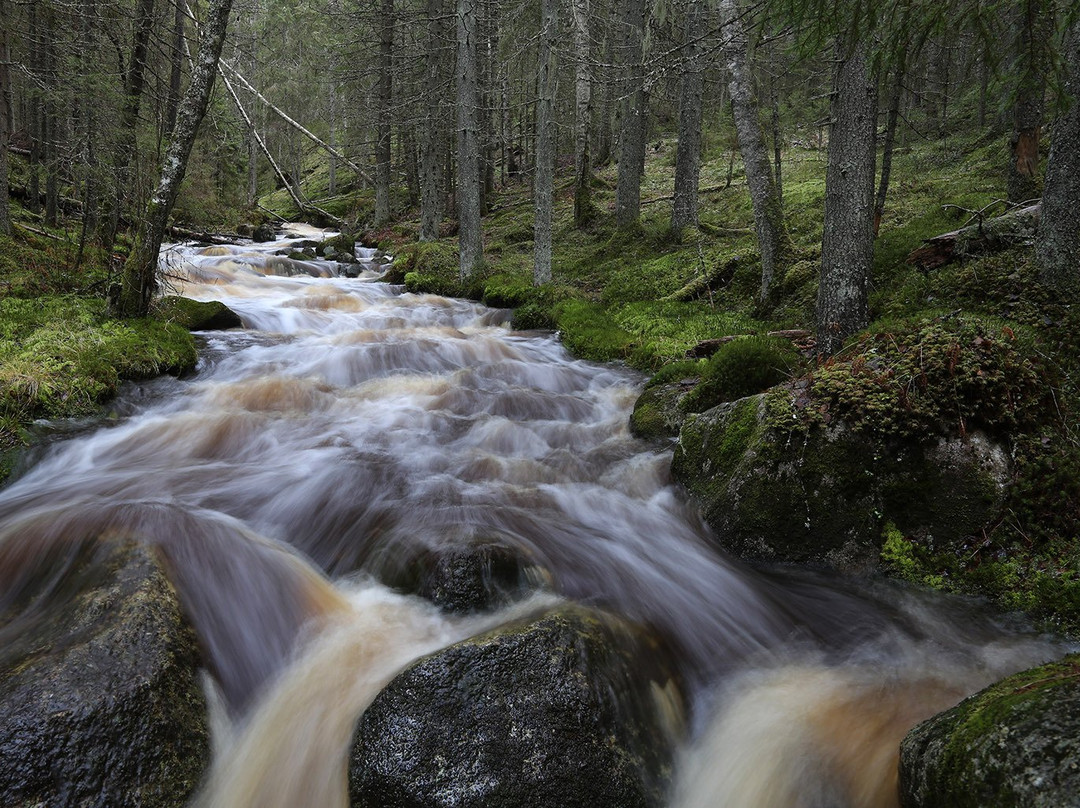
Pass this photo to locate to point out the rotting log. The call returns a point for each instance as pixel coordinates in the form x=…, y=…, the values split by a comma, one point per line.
x=985, y=236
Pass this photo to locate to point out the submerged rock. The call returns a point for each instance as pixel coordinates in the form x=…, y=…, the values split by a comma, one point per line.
x=824, y=495
x=195, y=315
x=100, y=702
x=472, y=577
x=556, y=713
x=1016, y=743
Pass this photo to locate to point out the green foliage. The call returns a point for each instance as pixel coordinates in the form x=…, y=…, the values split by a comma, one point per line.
x=677, y=371
x=740, y=368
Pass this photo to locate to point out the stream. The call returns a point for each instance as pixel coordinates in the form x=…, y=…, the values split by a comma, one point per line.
x=351, y=428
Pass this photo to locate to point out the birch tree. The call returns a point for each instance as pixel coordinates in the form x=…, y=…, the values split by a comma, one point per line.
x=139, y=279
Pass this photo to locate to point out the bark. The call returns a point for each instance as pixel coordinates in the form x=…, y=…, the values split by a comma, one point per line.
x=684, y=208
x=384, y=102
x=605, y=103
x=432, y=190
x=1023, y=176
x=1057, y=246
x=772, y=236
x=543, y=185
x=139, y=279
x=847, y=243
x=583, y=208
x=488, y=117
x=632, y=117
x=470, y=238
x=5, y=118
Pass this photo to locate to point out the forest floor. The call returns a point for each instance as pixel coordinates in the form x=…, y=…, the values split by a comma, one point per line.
x=972, y=345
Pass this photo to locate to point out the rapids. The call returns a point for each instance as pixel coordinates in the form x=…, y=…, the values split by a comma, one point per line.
x=351, y=427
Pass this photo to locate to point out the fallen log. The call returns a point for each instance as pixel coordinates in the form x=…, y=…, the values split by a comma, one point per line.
x=183, y=234
x=985, y=236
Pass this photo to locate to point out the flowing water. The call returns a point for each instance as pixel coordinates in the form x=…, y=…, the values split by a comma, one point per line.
x=351, y=429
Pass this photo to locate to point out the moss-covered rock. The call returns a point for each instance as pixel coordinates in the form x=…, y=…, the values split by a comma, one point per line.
x=823, y=495
x=657, y=413
x=195, y=315
x=1015, y=744
x=557, y=713
x=100, y=702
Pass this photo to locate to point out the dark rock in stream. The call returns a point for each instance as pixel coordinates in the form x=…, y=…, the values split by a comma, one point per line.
x=471, y=578
x=100, y=703
x=264, y=232
x=573, y=710
x=1015, y=744
x=824, y=497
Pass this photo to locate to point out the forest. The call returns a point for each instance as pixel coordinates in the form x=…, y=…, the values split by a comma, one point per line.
x=835, y=247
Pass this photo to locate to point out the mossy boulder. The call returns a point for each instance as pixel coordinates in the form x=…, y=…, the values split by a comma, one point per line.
x=657, y=413
x=195, y=315
x=572, y=710
x=1015, y=744
x=100, y=701
x=824, y=495
x=264, y=232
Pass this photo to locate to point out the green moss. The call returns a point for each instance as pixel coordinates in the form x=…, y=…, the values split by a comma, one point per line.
x=677, y=371
x=588, y=332
x=740, y=368
x=61, y=356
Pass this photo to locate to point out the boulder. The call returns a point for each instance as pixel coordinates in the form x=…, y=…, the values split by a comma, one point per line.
x=197, y=315
x=264, y=232
x=1015, y=744
x=471, y=578
x=824, y=495
x=571, y=710
x=656, y=412
x=100, y=701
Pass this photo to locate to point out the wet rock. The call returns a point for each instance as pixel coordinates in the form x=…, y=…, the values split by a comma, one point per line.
x=245, y=229
x=197, y=315
x=571, y=710
x=1015, y=744
x=656, y=412
x=100, y=702
x=824, y=496
x=471, y=578
x=264, y=232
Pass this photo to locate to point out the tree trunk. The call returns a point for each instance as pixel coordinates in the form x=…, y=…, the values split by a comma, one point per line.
x=470, y=237
x=176, y=67
x=684, y=207
x=139, y=278
x=605, y=104
x=768, y=209
x=5, y=118
x=583, y=208
x=384, y=111
x=488, y=117
x=129, y=120
x=1023, y=177
x=1057, y=246
x=432, y=192
x=543, y=185
x=847, y=243
x=632, y=118
x=887, y=148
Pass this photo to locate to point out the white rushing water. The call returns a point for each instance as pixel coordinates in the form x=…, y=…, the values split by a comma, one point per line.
x=351, y=427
